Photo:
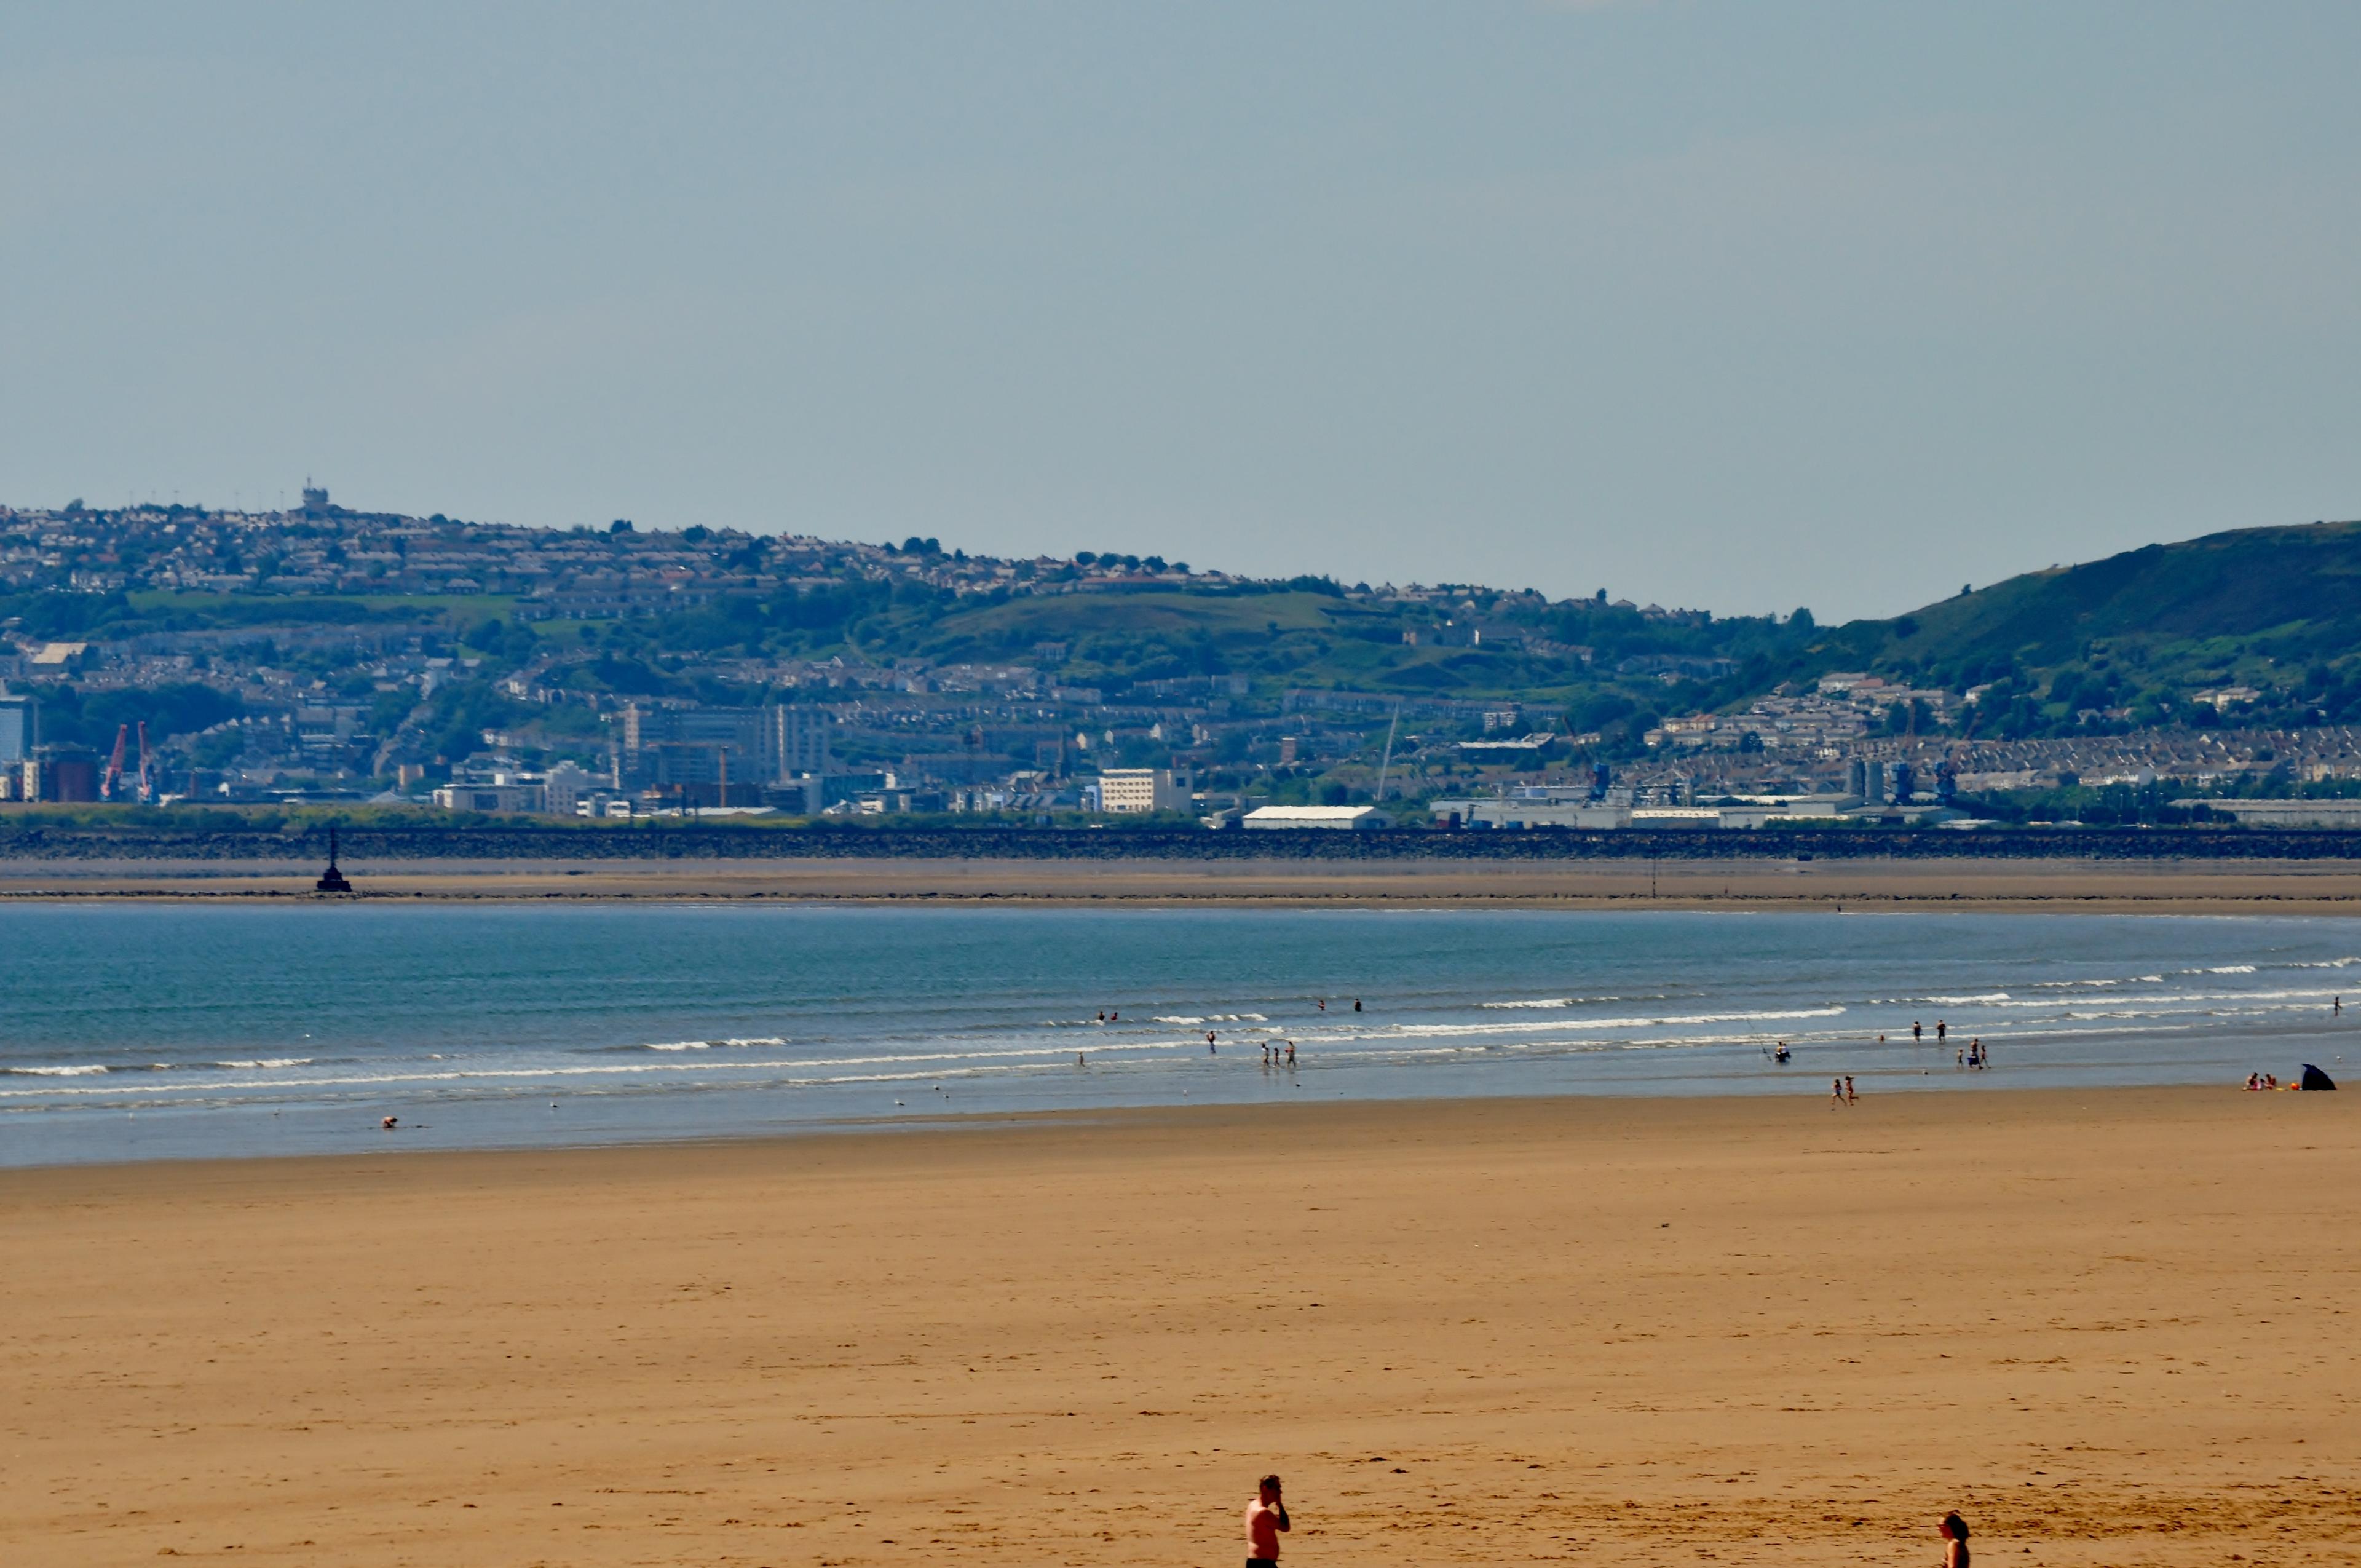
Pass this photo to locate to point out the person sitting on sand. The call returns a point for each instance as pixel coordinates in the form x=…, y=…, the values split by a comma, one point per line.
x=1955, y=1532
x=1266, y=1523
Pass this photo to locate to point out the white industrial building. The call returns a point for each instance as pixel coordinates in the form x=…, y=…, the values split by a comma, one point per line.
x=1346, y=816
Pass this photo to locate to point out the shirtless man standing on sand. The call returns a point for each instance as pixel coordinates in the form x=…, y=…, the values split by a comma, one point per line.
x=1266, y=1521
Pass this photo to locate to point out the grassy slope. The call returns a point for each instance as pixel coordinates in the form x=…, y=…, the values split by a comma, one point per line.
x=1317, y=641
x=2247, y=605
x=2223, y=602
x=262, y=608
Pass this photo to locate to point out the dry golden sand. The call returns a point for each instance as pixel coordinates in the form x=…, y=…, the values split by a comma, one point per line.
x=2112, y=1327
x=2163, y=886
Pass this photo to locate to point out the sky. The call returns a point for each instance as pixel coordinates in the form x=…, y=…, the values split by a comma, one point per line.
x=1735, y=306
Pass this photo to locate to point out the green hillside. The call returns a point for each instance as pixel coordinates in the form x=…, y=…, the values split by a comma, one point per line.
x=2277, y=610
x=2254, y=627
x=1293, y=637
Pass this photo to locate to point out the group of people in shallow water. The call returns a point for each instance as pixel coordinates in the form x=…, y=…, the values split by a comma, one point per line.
x=1972, y=1054
x=1275, y=1052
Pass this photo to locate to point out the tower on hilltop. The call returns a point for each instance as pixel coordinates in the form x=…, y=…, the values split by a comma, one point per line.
x=315, y=497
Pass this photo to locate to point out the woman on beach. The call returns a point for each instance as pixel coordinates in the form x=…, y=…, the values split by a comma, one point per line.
x=1955, y=1535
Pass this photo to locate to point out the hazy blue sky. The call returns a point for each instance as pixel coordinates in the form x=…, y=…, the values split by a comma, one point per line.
x=1744, y=306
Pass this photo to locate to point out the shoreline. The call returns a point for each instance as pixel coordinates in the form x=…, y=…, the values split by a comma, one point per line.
x=1108, y=1119
x=2099, y=886
x=1465, y=1332
x=367, y=1141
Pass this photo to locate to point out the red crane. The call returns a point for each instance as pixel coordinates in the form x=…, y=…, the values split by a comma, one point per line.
x=113, y=780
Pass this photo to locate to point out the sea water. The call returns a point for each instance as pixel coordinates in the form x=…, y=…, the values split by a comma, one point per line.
x=154, y=1031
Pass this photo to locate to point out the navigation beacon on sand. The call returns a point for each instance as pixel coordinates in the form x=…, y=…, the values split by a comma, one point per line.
x=332, y=880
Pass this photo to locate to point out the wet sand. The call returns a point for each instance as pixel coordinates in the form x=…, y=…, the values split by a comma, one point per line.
x=2138, y=887
x=2112, y=1327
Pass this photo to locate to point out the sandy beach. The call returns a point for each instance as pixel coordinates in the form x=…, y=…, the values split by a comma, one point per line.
x=2110, y=1327
x=2159, y=886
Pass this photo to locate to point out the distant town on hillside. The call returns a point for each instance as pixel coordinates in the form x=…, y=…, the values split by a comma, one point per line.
x=175, y=654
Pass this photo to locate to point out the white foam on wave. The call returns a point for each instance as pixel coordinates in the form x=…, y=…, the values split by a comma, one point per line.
x=1554, y=1002
x=264, y=1062
x=1014, y=1057
x=1982, y=999
x=2232, y=968
x=2183, y=1000
x=86, y=1071
x=1446, y=1031
x=682, y=1045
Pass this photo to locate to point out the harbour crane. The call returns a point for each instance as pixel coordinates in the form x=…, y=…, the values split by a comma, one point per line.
x=113, y=780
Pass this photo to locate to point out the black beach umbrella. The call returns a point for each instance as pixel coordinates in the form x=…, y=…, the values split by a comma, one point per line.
x=2315, y=1078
